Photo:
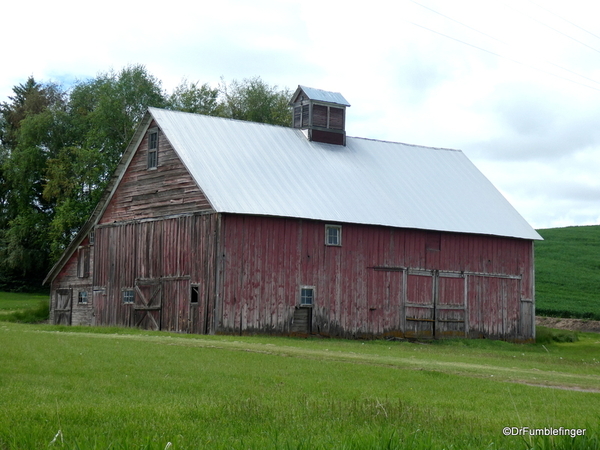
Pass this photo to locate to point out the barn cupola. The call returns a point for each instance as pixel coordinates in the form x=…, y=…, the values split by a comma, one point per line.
x=321, y=113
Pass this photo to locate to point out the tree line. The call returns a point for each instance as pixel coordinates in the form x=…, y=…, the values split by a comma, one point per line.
x=59, y=147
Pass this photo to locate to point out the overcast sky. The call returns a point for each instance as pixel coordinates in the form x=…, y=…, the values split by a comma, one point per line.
x=514, y=84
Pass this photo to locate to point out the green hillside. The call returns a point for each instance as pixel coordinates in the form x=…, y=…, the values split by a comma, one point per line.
x=567, y=270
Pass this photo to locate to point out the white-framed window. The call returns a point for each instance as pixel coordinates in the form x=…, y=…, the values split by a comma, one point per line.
x=307, y=295
x=82, y=297
x=153, y=148
x=128, y=296
x=333, y=235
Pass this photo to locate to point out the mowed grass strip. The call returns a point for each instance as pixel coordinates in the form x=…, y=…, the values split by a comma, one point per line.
x=112, y=388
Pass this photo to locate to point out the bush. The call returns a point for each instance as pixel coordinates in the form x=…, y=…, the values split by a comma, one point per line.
x=545, y=335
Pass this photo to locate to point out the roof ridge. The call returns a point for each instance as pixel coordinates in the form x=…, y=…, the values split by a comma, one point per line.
x=217, y=117
x=407, y=144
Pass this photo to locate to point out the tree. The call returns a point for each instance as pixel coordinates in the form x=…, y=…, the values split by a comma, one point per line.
x=189, y=97
x=27, y=140
x=256, y=101
x=103, y=115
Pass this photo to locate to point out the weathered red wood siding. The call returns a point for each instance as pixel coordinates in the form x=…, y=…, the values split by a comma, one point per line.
x=366, y=287
x=69, y=280
x=167, y=190
x=168, y=255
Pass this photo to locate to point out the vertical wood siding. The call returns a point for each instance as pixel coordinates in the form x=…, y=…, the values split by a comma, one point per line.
x=381, y=281
x=249, y=271
x=70, y=284
x=157, y=258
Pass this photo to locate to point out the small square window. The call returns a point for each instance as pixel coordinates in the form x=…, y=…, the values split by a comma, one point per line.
x=82, y=297
x=307, y=296
x=153, y=150
x=333, y=235
x=128, y=297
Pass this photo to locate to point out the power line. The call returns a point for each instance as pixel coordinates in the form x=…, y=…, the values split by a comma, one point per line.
x=508, y=58
x=562, y=18
x=553, y=29
x=505, y=43
x=456, y=21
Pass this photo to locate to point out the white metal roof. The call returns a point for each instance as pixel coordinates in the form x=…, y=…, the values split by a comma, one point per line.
x=322, y=96
x=259, y=169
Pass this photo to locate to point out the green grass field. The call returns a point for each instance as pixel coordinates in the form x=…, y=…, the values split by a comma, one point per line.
x=568, y=272
x=108, y=388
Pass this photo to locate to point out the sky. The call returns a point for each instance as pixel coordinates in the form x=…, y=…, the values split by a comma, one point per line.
x=514, y=84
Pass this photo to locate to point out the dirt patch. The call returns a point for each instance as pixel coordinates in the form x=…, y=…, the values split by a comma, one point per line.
x=584, y=325
x=564, y=388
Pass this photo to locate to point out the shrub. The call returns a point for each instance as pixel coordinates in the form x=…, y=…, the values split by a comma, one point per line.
x=545, y=335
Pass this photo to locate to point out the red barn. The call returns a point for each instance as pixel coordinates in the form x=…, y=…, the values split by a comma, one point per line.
x=212, y=225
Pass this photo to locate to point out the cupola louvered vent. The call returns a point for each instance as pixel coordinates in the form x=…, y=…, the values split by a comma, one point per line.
x=321, y=113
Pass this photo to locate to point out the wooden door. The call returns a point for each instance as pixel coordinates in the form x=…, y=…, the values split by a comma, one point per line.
x=385, y=308
x=527, y=319
x=64, y=307
x=450, y=305
x=198, y=316
x=435, y=304
x=420, y=304
x=148, y=304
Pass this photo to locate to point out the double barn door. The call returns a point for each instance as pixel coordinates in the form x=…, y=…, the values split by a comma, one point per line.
x=436, y=304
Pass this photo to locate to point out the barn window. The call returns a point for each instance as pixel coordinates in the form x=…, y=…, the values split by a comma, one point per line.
x=194, y=294
x=83, y=262
x=153, y=149
x=333, y=235
x=82, y=297
x=128, y=296
x=307, y=296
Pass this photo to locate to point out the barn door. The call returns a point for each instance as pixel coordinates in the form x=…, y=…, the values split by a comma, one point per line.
x=384, y=308
x=420, y=306
x=527, y=321
x=435, y=304
x=450, y=301
x=198, y=310
x=148, y=304
x=64, y=307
